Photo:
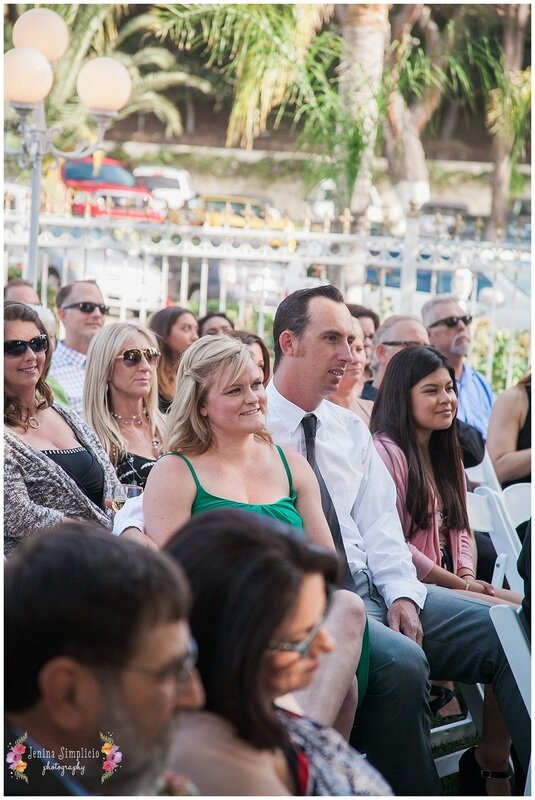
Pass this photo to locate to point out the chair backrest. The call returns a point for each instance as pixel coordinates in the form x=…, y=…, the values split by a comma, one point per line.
x=517, y=648
x=486, y=512
x=484, y=473
x=517, y=502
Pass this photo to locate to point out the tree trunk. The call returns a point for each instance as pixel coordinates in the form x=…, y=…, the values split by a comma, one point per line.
x=365, y=30
x=406, y=124
x=517, y=16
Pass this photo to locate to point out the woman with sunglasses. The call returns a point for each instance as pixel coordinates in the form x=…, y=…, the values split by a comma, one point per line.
x=54, y=466
x=260, y=598
x=414, y=431
x=176, y=329
x=121, y=398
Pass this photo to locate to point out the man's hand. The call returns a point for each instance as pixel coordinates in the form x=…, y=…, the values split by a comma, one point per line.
x=402, y=616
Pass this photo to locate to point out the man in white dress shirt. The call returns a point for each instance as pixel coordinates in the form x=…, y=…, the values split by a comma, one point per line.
x=409, y=625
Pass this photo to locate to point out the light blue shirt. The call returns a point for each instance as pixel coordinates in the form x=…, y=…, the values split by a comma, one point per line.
x=476, y=399
x=362, y=491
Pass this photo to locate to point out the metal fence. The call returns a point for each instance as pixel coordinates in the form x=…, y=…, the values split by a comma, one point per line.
x=139, y=266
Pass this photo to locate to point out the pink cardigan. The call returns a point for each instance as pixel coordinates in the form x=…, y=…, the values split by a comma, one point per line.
x=424, y=544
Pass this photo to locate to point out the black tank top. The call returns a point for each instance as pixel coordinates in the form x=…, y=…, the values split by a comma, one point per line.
x=523, y=441
x=82, y=466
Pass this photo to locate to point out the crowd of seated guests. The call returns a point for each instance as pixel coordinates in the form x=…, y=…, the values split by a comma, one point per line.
x=188, y=420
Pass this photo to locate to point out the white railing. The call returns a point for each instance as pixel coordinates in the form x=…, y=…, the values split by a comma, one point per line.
x=139, y=265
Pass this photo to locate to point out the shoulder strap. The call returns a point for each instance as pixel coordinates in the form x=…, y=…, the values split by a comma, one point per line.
x=286, y=467
x=188, y=462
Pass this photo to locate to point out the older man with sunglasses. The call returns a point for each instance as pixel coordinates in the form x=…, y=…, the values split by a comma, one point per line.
x=82, y=311
x=448, y=326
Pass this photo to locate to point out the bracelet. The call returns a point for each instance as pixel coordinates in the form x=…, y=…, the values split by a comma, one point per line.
x=467, y=575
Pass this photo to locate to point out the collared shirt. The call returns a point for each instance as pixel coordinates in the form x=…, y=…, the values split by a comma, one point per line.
x=476, y=399
x=369, y=392
x=68, y=368
x=361, y=489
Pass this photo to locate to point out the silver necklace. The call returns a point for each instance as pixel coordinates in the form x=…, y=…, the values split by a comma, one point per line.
x=33, y=422
x=134, y=419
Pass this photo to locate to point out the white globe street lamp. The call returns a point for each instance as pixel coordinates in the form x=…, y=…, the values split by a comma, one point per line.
x=41, y=37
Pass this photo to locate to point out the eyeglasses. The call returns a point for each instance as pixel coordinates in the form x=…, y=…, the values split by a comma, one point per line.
x=179, y=671
x=88, y=308
x=451, y=322
x=135, y=354
x=402, y=343
x=17, y=347
x=301, y=648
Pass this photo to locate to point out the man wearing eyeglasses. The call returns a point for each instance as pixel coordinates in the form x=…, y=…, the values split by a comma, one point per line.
x=395, y=333
x=82, y=311
x=96, y=640
x=448, y=326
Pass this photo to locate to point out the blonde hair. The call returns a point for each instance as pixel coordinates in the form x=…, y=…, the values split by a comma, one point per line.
x=104, y=348
x=186, y=430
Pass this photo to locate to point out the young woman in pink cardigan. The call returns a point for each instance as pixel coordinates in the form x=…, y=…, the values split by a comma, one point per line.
x=413, y=426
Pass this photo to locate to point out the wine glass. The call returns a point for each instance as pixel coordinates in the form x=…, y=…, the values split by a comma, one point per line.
x=120, y=494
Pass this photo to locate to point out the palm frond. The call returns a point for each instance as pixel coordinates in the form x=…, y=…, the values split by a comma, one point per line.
x=153, y=103
x=159, y=81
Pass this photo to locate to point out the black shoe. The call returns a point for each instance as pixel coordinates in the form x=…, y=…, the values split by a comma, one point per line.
x=472, y=778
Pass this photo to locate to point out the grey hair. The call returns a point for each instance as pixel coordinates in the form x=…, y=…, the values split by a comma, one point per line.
x=383, y=333
x=436, y=300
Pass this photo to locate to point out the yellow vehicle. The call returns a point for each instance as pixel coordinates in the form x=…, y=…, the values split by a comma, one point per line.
x=237, y=211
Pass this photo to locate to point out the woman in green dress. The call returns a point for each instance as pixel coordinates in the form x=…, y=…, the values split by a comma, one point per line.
x=218, y=454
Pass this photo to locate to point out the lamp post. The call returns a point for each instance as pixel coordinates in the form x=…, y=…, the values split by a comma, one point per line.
x=41, y=37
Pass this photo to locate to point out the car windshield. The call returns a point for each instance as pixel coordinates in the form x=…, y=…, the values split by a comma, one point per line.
x=108, y=173
x=158, y=182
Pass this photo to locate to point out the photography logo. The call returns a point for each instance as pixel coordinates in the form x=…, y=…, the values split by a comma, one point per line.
x=65, y=761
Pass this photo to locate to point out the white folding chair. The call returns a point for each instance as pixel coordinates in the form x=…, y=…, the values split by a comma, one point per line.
x=517, y=502
x=517, y=649
x=484, y=473
x=487, y=513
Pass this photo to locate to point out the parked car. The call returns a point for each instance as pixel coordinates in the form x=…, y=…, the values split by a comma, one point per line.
x=234, y=211
x=509, y=293
x=90, y=181
x=166, y=183
x=119, y=203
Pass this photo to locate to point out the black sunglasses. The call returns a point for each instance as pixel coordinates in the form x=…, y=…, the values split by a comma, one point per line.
x=135, y=354
x=451, y=322
x=88, y=308
x=402, y=343
x=17, y=347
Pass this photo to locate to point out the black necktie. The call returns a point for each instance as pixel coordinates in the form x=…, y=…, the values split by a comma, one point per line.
x=310, y=423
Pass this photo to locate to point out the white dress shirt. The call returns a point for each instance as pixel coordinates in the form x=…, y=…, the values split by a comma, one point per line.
x=361, y=489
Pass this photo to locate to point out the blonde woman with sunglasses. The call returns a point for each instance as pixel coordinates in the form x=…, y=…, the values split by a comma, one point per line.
x=121, y=398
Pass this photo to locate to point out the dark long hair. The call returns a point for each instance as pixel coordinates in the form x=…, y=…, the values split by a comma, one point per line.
x=15, y=413
x=392, y=415
x=161, y=323
x=245, y=571
x=253, y=338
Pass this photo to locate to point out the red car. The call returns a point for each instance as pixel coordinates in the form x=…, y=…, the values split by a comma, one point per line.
x=119, y=203
x=109, y=189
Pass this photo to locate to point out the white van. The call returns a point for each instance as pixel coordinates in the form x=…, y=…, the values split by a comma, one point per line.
x=166, y=183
